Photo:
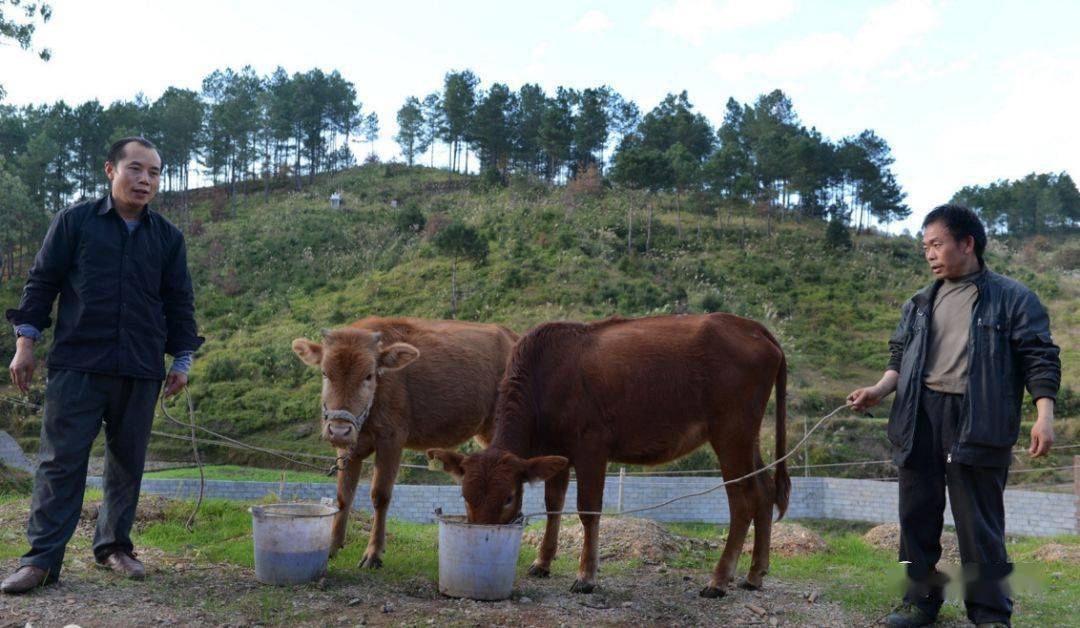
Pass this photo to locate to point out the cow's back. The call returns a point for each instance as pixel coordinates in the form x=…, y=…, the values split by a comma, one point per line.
x=448, y=394
x=655, y=383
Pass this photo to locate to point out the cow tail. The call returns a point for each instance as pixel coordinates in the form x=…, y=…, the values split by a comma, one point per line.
x=782, y=479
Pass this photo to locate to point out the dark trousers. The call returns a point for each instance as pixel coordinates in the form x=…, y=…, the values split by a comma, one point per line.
x=976, y=496
x=75, y=405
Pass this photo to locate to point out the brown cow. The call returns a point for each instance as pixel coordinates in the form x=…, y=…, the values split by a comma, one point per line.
x=390, y=383
x=640, y=391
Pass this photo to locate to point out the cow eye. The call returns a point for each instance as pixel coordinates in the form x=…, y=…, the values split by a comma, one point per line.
x=509, y=501
x=370, y=377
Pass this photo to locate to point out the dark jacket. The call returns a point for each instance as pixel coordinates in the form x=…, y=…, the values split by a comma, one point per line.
x=125, y=298
x=1009, y=347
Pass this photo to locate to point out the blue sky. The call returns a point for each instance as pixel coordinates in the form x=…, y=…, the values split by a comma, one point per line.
x=964, y=91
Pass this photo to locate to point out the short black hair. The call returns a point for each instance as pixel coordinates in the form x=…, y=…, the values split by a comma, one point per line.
x=961, y=223
x=116, y=150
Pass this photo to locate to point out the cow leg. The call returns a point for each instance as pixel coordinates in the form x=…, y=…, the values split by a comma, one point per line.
x=742, y=503
x=759, y=565
x=387, y=460
x=554, y=497
x=348, y=476
x=590, y=478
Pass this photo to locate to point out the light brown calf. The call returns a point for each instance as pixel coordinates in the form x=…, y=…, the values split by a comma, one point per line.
x=392, y=383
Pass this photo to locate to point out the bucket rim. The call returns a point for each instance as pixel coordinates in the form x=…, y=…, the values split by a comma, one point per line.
x=518, y=522
x=265, y=510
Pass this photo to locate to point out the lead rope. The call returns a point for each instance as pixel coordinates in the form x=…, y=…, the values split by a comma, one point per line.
x=189, y=525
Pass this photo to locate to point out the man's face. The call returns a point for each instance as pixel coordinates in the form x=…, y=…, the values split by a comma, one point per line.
x=135, y=176
x=948, y=258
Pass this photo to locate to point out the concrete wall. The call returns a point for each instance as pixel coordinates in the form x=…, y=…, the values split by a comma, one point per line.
x=1026, y=512
x=12, y=455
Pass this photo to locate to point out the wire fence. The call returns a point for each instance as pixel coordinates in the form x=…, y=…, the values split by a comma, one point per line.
x=278, y=452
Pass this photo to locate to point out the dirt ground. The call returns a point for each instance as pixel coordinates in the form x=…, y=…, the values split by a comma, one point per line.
x=184, y=591
x=627, y=538
x=175, y=594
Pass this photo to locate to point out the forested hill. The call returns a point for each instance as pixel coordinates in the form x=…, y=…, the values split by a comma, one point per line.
x=269, y=269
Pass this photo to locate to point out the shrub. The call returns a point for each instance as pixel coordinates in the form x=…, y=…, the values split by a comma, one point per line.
x=410, y=220
x=837, y=236
x=1068, y=259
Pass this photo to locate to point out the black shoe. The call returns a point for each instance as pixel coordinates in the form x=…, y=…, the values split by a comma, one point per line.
x=907, y=615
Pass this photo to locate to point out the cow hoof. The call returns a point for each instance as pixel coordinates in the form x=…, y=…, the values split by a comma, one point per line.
x=582, y=587
x=748, y=585
x=537, y=571
x=370, y=562
x=712, y=592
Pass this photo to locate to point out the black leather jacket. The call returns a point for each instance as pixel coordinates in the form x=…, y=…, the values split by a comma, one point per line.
x=1009, y=347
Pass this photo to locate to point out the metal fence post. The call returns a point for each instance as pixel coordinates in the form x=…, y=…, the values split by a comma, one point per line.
x=1076, y=491
x=622, y=476
x=806, y=450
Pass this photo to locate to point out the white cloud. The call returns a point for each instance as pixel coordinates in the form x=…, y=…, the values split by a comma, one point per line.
x=593, y=21
x=693, y=20
x=887, y=31
x=1038, y=91
x=536, y=65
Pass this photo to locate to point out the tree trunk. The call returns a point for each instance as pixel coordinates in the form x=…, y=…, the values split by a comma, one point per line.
x=453, y=287
x=678, y=216
x=648, y=225
x=296, y=168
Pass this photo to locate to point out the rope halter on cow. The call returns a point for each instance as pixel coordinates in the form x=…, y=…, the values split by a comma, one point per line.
x=344, y=415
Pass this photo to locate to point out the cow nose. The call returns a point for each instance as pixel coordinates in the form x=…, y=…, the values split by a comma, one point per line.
x=339, y=430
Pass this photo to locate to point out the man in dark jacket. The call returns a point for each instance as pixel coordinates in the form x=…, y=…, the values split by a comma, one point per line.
x=964, y=350
x=120, y=270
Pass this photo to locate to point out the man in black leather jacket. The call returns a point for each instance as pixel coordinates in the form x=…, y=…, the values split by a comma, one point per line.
x=966, y=347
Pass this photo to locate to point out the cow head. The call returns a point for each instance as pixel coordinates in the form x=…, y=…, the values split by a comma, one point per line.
x=492, y=480
x=352, y=362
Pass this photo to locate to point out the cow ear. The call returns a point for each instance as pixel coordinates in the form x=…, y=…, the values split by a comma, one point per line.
x=309, y=352
x=451, y=461
x=542, y=468
x=396, y=356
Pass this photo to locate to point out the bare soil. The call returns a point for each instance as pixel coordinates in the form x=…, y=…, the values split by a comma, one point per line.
x=887, y=536
x=1053, y=552
x=185, y=590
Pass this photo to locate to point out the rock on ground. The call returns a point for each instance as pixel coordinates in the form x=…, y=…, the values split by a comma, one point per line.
x=621, y=538
x=887, y=536
x=789, y=539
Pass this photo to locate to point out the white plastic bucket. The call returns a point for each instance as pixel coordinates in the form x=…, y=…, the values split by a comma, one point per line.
x=292, y=541
x=477, y=561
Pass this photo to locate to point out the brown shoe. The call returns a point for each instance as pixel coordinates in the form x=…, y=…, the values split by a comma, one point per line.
x=24, y=579
x=124, y=564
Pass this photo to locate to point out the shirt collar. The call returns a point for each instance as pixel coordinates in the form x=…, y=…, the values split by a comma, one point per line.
x=970, y=278
x=106, y=205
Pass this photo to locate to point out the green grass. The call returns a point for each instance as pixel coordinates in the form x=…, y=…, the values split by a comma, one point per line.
x=222, y=532
x=270, y=272
x=241, y=473
x=849, y=571
x=866, y=579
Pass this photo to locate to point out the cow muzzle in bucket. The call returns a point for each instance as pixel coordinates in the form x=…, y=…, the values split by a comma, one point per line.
x=477, y=561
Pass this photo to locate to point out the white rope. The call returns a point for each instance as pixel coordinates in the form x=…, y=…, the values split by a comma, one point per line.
x=235, y=444
x=222, y=443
